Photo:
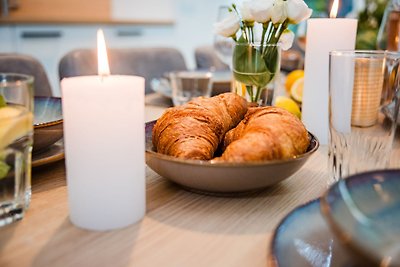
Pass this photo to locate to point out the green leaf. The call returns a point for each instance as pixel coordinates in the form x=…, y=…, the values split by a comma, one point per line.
x=2, y=102
x=271, y=58
x=249, y=66
x=254, y=67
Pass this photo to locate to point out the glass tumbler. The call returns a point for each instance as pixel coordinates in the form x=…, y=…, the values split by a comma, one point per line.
x=16, y=138
x=187, y=85
x=363, y=110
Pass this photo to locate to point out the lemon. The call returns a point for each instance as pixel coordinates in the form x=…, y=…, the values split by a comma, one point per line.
x=3, y=102
x=296, y=91
x=293, y=77
x=288, y=104
x=14, y=123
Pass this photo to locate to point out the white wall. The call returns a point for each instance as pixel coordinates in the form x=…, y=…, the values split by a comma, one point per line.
x=194, y=24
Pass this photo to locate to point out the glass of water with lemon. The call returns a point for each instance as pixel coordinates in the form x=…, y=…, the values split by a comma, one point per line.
x=16, y=138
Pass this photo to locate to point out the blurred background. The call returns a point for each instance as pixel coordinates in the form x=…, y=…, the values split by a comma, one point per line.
x=49, y=29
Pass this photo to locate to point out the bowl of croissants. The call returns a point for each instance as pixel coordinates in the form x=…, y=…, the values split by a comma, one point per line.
x=221, y=145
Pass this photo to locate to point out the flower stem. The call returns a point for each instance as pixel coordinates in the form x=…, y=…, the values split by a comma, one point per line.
x=258, y=94
x=249, y=90
x=265, y=27
x=242, y=25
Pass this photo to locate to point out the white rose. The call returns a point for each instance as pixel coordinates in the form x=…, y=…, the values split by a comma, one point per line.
x=262, y=10
x=286, y=39
x=278, y=14
x=245, y=11
x=228, y=26
x=297, y=11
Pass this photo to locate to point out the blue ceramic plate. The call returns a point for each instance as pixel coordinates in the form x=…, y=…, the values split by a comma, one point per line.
x=48, y=121
x=356, y=223
x=303, y=239
x=47, y=111
x=364, y=213
x=52, y=154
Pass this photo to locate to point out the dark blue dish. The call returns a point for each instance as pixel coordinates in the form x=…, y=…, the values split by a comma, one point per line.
x=363, y=211
x=303, y=239
x=355, y=223
x=48, y=122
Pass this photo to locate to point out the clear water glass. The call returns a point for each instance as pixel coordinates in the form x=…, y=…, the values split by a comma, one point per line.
x=362, y=85
x=187, y=85
x=16, y=138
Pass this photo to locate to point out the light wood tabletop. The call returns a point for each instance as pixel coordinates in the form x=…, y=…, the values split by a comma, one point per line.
x=181, y=228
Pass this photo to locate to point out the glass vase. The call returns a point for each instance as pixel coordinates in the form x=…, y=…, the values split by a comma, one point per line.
x=255, y=68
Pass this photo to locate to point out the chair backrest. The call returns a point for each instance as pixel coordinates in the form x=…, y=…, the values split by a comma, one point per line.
x=206, y=58
x=146, y=62
x=17, y=63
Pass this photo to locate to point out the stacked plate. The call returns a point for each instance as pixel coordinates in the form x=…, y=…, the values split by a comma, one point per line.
x=356, y=223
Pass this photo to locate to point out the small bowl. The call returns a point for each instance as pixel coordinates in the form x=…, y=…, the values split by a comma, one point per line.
x=223, y=178
x=48, y=122
x=363, y=212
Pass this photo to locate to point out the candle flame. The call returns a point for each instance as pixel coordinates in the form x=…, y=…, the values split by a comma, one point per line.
x=102, y=63
x=334, y=9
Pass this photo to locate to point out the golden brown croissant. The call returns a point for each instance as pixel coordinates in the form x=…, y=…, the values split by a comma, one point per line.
x=194, y=130
x=266, y=133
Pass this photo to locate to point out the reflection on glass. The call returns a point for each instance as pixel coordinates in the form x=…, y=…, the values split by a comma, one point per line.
x=223, y=46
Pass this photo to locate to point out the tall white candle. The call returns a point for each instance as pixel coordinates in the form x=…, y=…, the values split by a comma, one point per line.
x=323, y=35
x=104, y=146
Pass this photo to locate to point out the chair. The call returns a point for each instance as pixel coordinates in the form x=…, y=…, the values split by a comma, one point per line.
x=146, y=62
x=10, y=62
x=206, y=58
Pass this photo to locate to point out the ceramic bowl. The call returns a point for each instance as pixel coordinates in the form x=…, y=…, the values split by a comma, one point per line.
x=223, y=178
x=48, y=122
x=363, y=211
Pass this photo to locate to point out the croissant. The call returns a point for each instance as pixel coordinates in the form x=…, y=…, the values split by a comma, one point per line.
x=266, y=133
x=195, y=130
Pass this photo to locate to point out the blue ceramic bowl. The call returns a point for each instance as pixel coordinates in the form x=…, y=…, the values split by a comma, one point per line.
x=363, y=211
x=48, y=122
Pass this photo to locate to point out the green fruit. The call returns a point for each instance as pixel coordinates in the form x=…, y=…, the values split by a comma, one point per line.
x=2, y=102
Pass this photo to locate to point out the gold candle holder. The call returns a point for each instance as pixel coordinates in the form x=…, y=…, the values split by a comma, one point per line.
x=367, y=91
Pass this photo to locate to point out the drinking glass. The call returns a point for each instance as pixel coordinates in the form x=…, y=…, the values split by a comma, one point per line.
x=187, y=85
x=223, y=46
x=389, y=30
x=362, y=85
x=16, y=138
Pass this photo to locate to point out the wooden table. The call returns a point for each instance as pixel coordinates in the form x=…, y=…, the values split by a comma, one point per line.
x=180, y=228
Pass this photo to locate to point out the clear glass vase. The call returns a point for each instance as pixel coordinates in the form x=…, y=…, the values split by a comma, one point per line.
x=255, y=70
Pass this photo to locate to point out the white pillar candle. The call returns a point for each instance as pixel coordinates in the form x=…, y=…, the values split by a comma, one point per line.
x=323, y=35
x=104, y=147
